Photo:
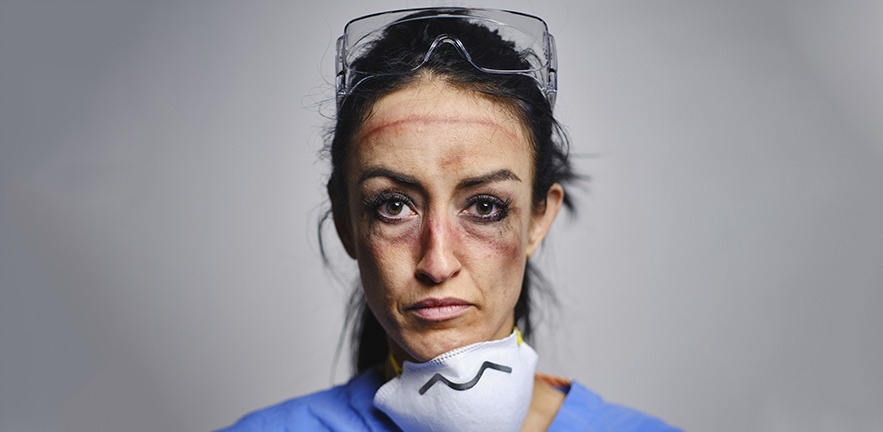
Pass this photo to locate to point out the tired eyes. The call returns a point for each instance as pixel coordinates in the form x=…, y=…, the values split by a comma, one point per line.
x=394, y=207
x=390, y=206
x=488, y=208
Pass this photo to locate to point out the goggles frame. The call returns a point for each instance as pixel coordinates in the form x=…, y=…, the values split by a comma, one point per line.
x=529, y=33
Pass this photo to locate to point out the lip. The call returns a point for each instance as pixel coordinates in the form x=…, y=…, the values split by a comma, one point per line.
x=433, y=309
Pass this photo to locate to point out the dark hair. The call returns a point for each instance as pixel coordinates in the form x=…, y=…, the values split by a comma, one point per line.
x=403, y=47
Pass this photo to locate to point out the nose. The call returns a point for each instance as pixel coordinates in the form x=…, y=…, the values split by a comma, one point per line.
x=438, y=262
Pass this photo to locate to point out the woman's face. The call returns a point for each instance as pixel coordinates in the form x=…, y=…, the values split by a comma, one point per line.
x=440, y=217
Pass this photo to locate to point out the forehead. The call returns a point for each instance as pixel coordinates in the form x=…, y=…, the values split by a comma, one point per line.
x=433, y=124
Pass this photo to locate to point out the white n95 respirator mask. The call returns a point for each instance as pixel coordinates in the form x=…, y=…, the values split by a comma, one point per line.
x=484, y=386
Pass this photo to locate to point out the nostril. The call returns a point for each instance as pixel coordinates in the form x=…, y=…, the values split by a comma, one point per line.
x=439, y=261
x=435, y=278
x=428, y=279
x=437, y=266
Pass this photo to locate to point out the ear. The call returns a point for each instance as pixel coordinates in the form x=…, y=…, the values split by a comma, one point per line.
x=342, y=223
x=542, y=218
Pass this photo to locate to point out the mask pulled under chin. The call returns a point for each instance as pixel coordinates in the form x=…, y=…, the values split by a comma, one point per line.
x=484, y=386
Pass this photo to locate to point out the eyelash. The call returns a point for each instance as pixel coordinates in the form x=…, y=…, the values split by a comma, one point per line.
x=376, y=203
x=502, y=208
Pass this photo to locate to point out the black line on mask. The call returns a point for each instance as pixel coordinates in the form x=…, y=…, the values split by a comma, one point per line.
x=468, y=384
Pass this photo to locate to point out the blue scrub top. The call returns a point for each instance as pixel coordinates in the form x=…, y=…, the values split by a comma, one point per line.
x=350, y=407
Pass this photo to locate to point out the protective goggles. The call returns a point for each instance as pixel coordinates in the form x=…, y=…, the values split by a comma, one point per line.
x=529, y=34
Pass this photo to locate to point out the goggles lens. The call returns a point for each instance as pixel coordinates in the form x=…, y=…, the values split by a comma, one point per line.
x=529, y=34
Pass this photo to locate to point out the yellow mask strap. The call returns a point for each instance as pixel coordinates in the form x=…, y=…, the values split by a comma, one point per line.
x=396, y=368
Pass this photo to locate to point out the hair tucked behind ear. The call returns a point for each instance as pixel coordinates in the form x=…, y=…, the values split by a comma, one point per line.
x=404, y=45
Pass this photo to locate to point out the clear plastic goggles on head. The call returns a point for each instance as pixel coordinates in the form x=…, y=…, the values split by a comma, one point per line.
x=528, y=33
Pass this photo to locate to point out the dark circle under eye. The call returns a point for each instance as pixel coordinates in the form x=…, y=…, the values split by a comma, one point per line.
x=394, y=207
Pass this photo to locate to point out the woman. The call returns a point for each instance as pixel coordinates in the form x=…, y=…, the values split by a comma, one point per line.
x=448, y=170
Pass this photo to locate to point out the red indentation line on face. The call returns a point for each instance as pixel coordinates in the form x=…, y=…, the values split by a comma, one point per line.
x=435, y=119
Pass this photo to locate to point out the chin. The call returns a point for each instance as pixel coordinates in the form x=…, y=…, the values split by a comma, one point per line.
x=429, y=346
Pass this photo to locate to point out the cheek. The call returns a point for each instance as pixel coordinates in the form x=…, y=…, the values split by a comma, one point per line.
x=502, y=243
x=385, y=255
x=498, y=255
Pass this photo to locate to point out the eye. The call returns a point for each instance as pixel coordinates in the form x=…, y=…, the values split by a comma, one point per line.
x=487, y=208
x=389, y=206
x=392, y=207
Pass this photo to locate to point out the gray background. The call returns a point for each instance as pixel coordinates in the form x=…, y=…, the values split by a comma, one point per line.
x=159, y=188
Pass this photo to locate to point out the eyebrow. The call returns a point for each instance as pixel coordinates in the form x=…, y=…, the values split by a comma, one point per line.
x=394, y=176
x=496, y=176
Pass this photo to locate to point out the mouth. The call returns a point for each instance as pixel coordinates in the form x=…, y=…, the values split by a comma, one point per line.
x=436, y=310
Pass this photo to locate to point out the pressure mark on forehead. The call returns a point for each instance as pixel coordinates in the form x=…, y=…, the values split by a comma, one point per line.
x=435, y=120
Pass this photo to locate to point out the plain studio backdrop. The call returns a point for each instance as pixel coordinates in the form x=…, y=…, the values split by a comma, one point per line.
x=160, y=187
